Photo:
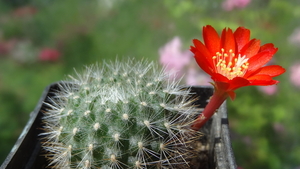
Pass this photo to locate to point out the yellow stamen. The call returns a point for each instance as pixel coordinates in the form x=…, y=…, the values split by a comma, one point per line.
x=231, y=67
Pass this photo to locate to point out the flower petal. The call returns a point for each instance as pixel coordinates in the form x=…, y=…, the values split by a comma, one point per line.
x=227, y=40
x=242, y=37
x=262, y=80
x=219, y=78
x=231, y=95
x=272, y=70
x=229, y=86
x=238, y=82
x=260, y=77
x=258, y=61
x=268, y=47
x=251, y=48
x=211, y=39
x=202, y=56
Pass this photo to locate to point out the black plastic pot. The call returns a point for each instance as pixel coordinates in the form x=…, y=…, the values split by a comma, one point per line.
x=216, y=151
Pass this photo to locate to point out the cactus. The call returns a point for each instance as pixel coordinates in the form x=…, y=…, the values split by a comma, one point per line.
x=120, y=115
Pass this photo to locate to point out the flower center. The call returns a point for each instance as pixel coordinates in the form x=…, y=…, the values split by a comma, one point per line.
x=230, y=65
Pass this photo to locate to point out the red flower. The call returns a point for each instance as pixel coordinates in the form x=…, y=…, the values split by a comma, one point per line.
x=234, y=61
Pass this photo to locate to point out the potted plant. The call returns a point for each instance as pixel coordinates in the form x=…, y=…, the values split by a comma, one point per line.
x=161, y=140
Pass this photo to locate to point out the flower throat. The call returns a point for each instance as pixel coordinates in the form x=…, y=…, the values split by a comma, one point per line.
x=230, y=65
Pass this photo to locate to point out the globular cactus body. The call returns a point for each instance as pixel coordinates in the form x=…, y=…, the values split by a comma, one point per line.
x=120, y=115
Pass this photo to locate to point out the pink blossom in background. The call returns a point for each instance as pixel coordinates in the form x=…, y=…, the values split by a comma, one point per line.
x=295, y=74
x=173, y=57
x=229, y=5
x=294, y=38
x=195, y=77
x=49, y=54
x=268, y=90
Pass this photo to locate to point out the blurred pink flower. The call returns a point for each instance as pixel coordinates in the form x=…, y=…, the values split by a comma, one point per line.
x=295, y=74
x=49, y=54
x=194, y=77
x=173, y=57
x=294, y=38
x=268, y=90
x=229, y=5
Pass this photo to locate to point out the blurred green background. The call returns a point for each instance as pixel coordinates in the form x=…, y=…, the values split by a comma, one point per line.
x=41, y=41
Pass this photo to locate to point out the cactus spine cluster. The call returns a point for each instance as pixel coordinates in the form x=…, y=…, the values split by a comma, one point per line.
x=120, y=115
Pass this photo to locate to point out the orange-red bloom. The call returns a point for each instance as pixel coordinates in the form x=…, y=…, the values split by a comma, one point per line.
x=233, y=61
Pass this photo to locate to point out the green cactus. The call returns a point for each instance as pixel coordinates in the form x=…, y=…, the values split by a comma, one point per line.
x=120, y=115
